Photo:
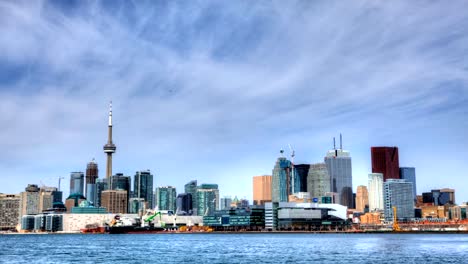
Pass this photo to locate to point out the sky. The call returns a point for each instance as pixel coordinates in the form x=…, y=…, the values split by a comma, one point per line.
x=212, y=90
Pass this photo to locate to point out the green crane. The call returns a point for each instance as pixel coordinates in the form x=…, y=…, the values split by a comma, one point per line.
x=151, y=217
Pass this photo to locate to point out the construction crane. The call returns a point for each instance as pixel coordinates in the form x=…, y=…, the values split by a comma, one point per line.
x=292, y=168
x=396, y=226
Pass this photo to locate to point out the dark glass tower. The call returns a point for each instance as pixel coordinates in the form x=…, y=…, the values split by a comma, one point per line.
x=91, y=176
x=184, y=203
x=191, y=188
x=143, y=187
x=302, y=170
x=409, y=174
x=385, y=161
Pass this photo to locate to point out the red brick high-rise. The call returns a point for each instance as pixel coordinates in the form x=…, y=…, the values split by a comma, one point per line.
x=385, y=160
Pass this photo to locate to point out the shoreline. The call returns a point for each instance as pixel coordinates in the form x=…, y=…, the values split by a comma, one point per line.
x=250, y=232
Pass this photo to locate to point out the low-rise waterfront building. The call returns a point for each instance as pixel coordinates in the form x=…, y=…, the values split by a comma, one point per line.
x=235, y=219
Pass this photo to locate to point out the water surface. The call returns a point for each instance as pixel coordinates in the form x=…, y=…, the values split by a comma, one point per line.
x=235, y=248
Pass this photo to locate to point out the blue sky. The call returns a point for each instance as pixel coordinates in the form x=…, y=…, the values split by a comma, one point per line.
x=212, y=90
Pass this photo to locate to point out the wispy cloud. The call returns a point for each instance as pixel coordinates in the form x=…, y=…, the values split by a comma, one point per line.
x=211, y=90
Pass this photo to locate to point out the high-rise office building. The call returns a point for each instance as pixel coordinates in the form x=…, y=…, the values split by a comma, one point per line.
x=77, y=183
x=375, y=190
x=191, y=187
x=385, y=160
x=30, y=200
x=226, y=203
x=318, y=180
x=341, y=180
x=281, y=180
x=115, y=201
x=101, y=185
x=109, y=148
x=10, y=205
x=166, y=198
x=362, y=198
x=46, y=198
x=184, y=203
x=207, y=198
x=91, y=176
x=261, y=190
x=302, y=171
x=119, y=182
x=143, y=187
x=398, y=193
x=409, y=174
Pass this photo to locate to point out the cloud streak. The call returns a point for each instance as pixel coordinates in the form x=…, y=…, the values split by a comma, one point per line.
x=212, y=91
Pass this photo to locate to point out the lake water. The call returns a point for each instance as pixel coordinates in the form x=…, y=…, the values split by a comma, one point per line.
x=235, y=248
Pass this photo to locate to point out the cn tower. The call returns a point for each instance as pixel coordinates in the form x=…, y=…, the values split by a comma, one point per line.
x=109, y=148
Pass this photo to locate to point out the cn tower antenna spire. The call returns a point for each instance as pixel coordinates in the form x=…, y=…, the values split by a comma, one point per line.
x=110, y=113
x=109, y=148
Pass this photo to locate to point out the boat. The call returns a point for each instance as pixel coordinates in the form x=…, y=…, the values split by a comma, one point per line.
x=93, y=229
x=132, y=229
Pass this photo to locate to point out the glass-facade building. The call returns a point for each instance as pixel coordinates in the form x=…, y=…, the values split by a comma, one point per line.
x=318, y=180
x=184, y=204
x=143, y=187
x=236, y=218
x=280, y=182
x=77, y=183
x=409, y=174
x=226, y=203
x=166, y=198
x=398, y=193
x=375, y=190
x=338, y=163
x=302, y=171
x=191, y=187
x=207, y=199
x=101, y=185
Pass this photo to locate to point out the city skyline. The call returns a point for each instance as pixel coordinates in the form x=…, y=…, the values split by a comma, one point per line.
x=211, y=111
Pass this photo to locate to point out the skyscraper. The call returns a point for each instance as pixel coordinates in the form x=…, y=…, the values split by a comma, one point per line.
x=91, y=176
x=143, y=187
x=76, y=183
x=119, y=182
x=166, y=198
x=375, y=188
x=101, y=185
x=341, y=180
x=46, y=198
x=362, y=198
x=261, y=189
x=398, y=193
x=109, y=148
x=409, y=174
x=280, y=181
x=318, y=180
x=302, y=171
x=184, y=203
x=30, y=200
x=385, y=161
x=207, y=198
x=191, y=187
